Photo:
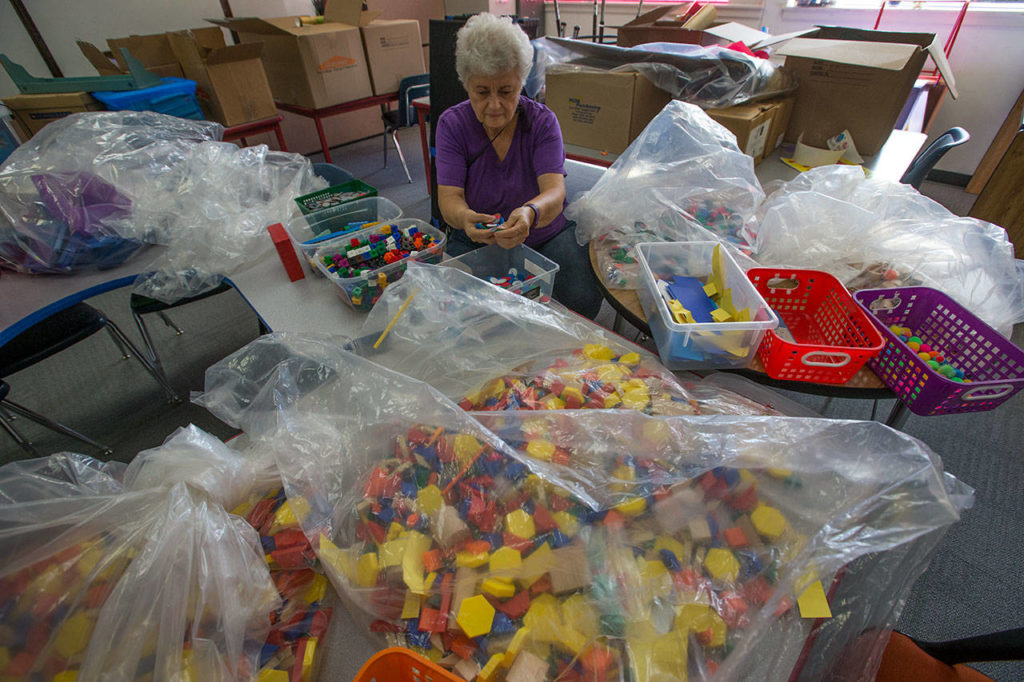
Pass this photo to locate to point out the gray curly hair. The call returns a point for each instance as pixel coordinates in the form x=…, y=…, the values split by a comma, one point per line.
x=489, y=45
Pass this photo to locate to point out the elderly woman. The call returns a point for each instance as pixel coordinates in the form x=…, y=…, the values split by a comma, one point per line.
x=500, y=154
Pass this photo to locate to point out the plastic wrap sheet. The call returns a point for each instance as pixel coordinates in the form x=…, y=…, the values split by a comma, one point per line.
x=683, y=177
x=706, y=76
x=109, y=583
x=615, y=544
x=489, y=349
x=875, y=233
x=219, y=213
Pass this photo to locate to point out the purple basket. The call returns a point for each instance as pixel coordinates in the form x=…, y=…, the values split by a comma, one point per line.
x=993, y=364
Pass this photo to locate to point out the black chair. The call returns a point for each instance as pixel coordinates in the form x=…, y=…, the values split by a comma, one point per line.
x=49, y=336
x=404, y=116
x=926, y=160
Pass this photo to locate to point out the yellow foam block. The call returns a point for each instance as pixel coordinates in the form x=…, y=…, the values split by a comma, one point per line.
x=466, y=447
x=411, y=607
x=520, y=523
x=392, y=552
x=541, y=449
x=74, y=635
x=721, y=564
x=412, y=561
x=490, y=670
x=367, y=570
x=513, y=648
x=430, y=499
x=475, y=616
x=567, y=523
x=813, y=603
x=632, y=507
x=498, y=588
x=505, y=561
x=596, y=351
x=471, y=559
x=768, y=521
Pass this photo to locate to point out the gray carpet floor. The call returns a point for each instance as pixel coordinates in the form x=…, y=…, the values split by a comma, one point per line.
x=974, y=585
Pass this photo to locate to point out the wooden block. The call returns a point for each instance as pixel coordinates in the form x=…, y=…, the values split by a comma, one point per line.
x=674, y=512
x=286, y=252
x=527, y=668
x=467, y=669
x=569, y=569
x=449, y=529
x=464, y=588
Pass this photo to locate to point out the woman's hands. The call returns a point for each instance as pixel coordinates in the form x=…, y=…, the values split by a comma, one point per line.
x=485, y=236
x=516, y=228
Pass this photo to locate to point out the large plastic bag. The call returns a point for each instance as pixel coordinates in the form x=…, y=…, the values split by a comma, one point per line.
x=490, y=349
x=706, y=76
x=70, y=197
x=654, y=547
x=91, y=189
x=105, y=583
x=219, y=227
x=875, y=233
x=683, y=177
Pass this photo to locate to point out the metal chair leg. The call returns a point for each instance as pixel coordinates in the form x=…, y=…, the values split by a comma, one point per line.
x=178, y=331
x=385, y=145
x=25, y=443
x=140, y=325
x=48, y=423
x=117, y=342
x=394, y=136
x=157, y=374
x=827, y=404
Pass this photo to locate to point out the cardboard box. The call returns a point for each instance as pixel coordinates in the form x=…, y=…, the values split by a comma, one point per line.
x=671, y=24
x=857, y=80
x=32, y=112
x=311, y=65
x=394, y=50
x=602, y=110
x=231, y=85
x=757, y=126
x=155, y=53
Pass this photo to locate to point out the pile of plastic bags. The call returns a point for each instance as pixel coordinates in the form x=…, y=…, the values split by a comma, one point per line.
x=90, y=190
x=607, y=544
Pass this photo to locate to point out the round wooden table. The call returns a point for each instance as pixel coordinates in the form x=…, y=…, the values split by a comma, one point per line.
x=864, y=385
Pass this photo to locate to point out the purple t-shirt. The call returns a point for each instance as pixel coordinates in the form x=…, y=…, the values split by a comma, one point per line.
x=466, y=159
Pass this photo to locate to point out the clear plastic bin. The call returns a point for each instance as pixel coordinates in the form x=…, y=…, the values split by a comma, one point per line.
x=312, y=231
x=492, y=261
x=361, y=292
x=700, y=344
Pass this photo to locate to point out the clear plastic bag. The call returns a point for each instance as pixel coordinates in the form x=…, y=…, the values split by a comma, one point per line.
x=683, y=177
x=874, y=233
x=491, y=349
x=706, y=76
x=91, y=189
x=102, y=582
x=69, y=197
x=630, y=546
x=218, y=228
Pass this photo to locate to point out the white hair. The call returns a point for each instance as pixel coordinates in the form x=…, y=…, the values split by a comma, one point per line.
x=490, y=45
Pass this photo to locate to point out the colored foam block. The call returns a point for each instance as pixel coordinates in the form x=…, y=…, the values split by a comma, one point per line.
x=286, y=252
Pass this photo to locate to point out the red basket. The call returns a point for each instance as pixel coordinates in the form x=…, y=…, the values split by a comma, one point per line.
x=994, y=364
x=832, y=336
x=396, y=664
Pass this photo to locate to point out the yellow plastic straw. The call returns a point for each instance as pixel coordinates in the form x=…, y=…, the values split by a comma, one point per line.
x=401, y=309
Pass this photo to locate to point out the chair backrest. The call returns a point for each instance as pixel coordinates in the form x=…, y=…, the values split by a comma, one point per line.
x=926, y=160
x=409, y=89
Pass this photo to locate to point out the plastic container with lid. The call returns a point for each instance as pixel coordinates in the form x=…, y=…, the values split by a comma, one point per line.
x=312, y=231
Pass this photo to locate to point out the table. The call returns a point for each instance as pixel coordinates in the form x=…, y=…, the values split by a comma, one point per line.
x=318, y=115
x=266, y=125
x=422, y=105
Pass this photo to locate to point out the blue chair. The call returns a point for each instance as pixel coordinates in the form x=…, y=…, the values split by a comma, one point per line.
x=926, y=160
x=404, y=116
x=54, y=333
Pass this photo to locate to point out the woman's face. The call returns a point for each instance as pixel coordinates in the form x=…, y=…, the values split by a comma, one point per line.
x=494, y=98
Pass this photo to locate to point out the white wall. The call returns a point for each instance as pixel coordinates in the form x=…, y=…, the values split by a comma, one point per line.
x=987, y=58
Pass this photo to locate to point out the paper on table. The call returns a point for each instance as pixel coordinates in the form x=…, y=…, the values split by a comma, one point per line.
x=844, y=142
